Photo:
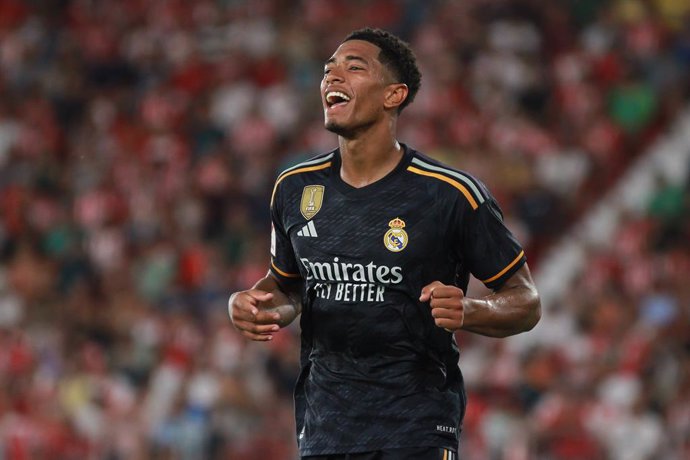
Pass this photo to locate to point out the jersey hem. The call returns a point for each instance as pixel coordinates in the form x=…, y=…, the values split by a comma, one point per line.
x=361, y=448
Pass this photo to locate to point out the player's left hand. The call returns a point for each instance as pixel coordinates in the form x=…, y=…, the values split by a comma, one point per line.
x=446, y=304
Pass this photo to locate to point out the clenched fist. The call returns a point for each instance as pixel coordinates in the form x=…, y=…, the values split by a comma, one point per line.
x=252, y=313
x=446, y=304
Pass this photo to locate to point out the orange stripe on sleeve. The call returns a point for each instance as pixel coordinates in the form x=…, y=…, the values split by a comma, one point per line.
x=282, y=273
x=502, y=272
x=297, y=171
x=448, y=180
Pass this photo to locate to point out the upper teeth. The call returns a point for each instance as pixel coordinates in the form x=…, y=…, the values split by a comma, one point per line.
x=333, y=94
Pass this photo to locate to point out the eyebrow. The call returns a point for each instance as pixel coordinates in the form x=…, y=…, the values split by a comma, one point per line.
x=349, y=57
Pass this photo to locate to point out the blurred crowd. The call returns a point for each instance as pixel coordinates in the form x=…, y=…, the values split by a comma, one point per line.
x=139, y=140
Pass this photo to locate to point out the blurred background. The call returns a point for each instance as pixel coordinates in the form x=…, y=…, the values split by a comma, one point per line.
x=139, y=141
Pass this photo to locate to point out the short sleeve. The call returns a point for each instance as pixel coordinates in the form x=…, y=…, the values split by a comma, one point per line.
x=487, y=247
x=283, y=261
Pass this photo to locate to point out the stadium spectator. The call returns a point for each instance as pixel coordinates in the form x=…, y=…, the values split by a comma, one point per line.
x=139, y=140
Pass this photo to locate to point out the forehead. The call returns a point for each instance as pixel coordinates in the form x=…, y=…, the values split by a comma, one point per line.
x=359, y=48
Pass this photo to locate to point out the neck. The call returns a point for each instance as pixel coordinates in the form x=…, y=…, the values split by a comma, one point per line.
x=368, y=157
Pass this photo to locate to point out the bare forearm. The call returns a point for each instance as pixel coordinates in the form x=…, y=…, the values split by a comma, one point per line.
x=513, y=309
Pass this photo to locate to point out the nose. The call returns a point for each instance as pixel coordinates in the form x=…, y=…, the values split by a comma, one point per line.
x=333, y=76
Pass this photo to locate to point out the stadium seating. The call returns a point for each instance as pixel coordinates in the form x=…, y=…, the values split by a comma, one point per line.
x=139, y=140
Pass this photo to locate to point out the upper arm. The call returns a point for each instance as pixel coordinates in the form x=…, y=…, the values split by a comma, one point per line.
x=284, y=267
x=520, y=293
x=486, y=247
x=522, y=278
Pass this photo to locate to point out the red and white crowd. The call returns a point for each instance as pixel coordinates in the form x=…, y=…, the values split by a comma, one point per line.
x=139, y=141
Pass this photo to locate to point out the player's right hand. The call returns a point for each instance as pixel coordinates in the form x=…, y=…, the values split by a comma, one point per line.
x=248, y=316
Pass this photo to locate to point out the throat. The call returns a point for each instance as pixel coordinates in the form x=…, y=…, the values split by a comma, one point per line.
x=361, y=181
x=361, y=170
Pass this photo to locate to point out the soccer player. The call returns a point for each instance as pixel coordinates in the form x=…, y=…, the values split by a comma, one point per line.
x=373, y=244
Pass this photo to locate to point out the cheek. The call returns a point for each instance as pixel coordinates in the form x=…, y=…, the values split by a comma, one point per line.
x=373, y=101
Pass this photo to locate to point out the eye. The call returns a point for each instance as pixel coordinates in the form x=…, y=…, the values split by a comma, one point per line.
x=355, y=67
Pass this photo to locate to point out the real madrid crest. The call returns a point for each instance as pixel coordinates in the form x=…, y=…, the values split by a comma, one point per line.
x=312, y=199
x=396, y=238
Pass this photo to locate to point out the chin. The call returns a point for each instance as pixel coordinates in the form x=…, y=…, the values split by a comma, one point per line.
x=337, y=128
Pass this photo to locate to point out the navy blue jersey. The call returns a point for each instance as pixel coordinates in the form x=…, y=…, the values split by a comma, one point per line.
x=376, y=372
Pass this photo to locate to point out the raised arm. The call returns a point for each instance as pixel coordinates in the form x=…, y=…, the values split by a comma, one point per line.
x=261, y=311
x=513, y=308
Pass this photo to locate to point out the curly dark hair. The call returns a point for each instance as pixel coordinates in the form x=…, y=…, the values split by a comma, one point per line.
x=396, y=55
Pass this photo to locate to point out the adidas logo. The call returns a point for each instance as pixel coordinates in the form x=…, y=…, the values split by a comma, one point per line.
x=308, y=230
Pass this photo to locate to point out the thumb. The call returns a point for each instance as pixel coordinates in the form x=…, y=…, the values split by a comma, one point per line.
x=428, y=290
x=256, y=296
x=261, y=296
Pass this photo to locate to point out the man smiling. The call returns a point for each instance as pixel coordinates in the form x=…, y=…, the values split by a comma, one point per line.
x=373, y=244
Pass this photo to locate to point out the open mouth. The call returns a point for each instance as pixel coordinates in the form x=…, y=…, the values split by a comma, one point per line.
x=336, y=99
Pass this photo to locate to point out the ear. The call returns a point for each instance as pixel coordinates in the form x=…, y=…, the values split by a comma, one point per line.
x=395, y=94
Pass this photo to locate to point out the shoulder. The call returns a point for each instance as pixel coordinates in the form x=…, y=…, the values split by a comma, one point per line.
x=449, y=179
x=313, y=165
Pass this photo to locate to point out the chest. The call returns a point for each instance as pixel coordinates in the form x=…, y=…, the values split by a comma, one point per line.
x=398, y=226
